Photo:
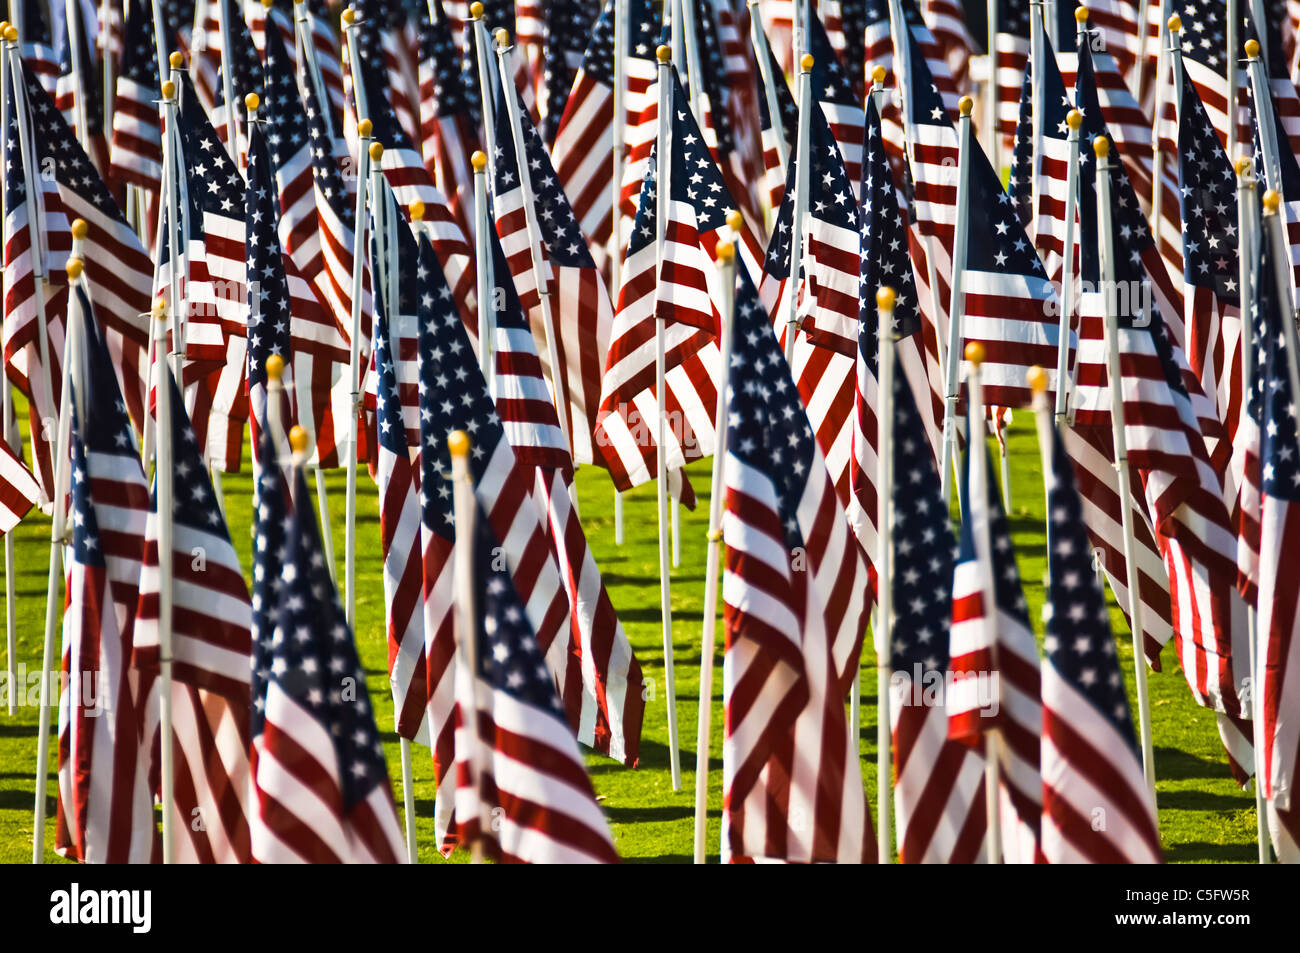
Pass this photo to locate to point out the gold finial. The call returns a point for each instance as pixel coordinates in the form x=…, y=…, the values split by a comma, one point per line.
x=878, y=75
x=364, y=128
x=275, y=367
x=1175, y=24
x=160, y=309
x=458, y=443
x=975, y=353
x=267, y=3
x=74, y=268
x=476, y=11
x=177, y=60
x=349, y=16
x=965, y=105
x=80, y=229
x=11, y=33
x=169, y=90
x=1074, y=119
x=298, y=438
x=478, y=160
x=1101, y=147
x=1252, y=49
x=806, y=62
x=885, y=298
x=1243, y=165
x=417, y=211
x=1271, y=201
x=4, y=27
x=735, y=220
x=376, y=151
x=252, y=101
x=726, y=253
x=665, y=53
x=1037, y=379
x=1081, y=14
x=502, y=38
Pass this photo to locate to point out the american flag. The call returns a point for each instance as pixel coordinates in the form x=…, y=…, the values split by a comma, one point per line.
x=320, y=778
x=289, y=143
x=567, y=29
x=796, y=594
x=939, y=783
x=1276, y=468
x=948, y=22
x=579, y=307
x=136, y=153
x=119, y=272
x=833, y=88
x=1166, y=417
x=521, y=787
x=398, y=477
x=1286, y=102
x=245, y=77
x=105, y=812
x=1091, y=765
x=74, y=93
x=1011, y=56
x=38, y=44
x=640, y=99
x=1204, y=61
x=996, y=681
x=449, y=132
x=1287, y=174
x=1009, y=304
x=773, y=134
x=322, y=35
x=36, y=237
x=211, y=647
x=826, y=295
x=19, y=491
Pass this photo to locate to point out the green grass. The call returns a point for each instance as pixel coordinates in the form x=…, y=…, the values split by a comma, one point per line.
x=1204, y=817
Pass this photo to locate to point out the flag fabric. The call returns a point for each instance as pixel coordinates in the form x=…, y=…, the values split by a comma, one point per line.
x=19, y=491
x=1096, y=804
x=993, y=657
x=211, y=648
x=136, y=152
x=1011, y=63
x=81, y=94
x=38, y=44
x=1275, y=474
x=105, y=806
x=320, y=778
x=833, y=87
x=785, y=128
x=449, y=132
x=522, y=789
x=796, y=596
x=939, y=783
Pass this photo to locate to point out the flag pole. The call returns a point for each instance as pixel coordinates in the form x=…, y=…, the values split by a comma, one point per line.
x=1263, y=97
x=483, y=273
x=485, y=79
x=886, y=341
x=234, y=137
x=763, y=53
x=800, y=204
x=977, y=483
x=1174, y=26
x=11, y=437
x=465, y=514
x=991, y=93
x=727, y=267
x=74, y=26
x=664, y=172
x=562, y=404
x=1064, y=380
x=691, y=41
x=957, y=301
x=1234, y=73
x=1101, y=147
x=109, y=77
x=613, y=249
x=1247, y=253
x=303, y=30
x=1037, y=54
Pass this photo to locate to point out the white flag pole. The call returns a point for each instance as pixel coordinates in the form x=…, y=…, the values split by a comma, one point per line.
x=614, y=247
x=978, y=513
x=1170, y=36
x=358, y=271
x=1064, y=380
x=1101, y=146
x=1263, y=98
x=483, y=274
x=663, y=194
x=1233, y=70
x=74, y=27
x=303, y=28
x=1037, y=91
x=886, y=340
x=1247, y=254
x=485, y=84
x=763, y=54
x=727, y=267
x=1143, y=30
x=957, y=301
x=465, y=510
x=800, y=210
x=991, y=91
x=234, y=135
x=11, y=437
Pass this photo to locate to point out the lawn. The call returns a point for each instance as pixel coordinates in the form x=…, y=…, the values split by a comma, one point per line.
x=1204, y=817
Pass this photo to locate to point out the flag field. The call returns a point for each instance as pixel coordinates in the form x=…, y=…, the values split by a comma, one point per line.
x=1204, y=817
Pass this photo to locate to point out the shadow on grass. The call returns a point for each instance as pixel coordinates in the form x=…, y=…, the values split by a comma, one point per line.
x=19, y=731
x=20, y=799
x=637, y=815
x=1202, y=852
x=1203, y=801
x=1173, y=764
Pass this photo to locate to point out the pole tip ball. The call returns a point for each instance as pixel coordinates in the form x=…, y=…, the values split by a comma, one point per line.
x=417, y=211
x=975, y=353
x=458, y=443
x=168, y=89
x=502, y=38
x=176, y=59
x=252, y=101
x=74, y=268
x=1272, y=201
x=349, y=15
x=885, y=298
x=1252, y=49
x=364, y=128
x=275, y=367
x=267, y=3
x=1081, y=14
x=735, y=220
x=476, y=11
x=11, y=34
x=478, y=160
x=726, y=253
x=1037, y=379
x=966, y=105
x=80, y=229
x=1074, y=119
x=298, y=438
x=878, y=75
x=376, y=151
x=806, y=63
x=160, y=309
x=665, y=53
x=1175, y=24
x=1101, y=147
